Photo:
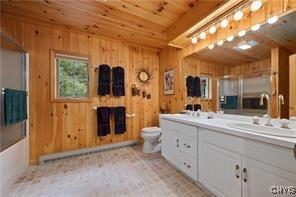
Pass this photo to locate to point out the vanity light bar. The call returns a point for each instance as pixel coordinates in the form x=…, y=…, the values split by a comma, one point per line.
x=238, y=14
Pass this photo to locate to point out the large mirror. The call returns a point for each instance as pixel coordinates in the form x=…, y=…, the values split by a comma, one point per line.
x=234, y=75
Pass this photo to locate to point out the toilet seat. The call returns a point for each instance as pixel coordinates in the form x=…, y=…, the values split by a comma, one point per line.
x=151, y=130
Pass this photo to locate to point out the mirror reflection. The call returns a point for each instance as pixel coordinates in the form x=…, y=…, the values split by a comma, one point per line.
x=234, y=76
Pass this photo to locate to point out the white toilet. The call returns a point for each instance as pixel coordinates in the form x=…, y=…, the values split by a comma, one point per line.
x=151, y=136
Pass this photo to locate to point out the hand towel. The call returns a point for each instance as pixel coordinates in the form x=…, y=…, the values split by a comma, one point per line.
x=104, y=80
x=119, y=119
x=190, y=86
x=189, y=107
x=118, y=81
x=103, y=121
x=197, y=86
x=15, y=106
x=197, y=107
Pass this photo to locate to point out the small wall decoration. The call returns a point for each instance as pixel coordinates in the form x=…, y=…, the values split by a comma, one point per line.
x=145, y=75
x=169, y=82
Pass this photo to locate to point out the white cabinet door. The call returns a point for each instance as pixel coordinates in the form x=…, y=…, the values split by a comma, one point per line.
x=170, y=146
x=219, y=170
x=259, y=177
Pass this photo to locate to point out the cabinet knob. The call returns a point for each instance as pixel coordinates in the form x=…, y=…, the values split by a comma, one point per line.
x=237, y=172
x=177, y=143
x=245, y=174
x=187, y=146
x=187, y=165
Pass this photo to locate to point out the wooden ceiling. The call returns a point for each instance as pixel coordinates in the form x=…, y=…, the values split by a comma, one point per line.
x=280, y=34
x=139, y=21
x=283, y=32
x=228, y=55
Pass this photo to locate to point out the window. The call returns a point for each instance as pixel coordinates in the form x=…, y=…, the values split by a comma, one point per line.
x=205, y=87
x=71, y=77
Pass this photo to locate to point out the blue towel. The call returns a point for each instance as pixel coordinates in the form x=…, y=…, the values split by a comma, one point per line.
x=104, y=80
x=119, y=119
x=190, y=86
x=197, y=107
x=231, y=102
x=197, y=87
x=118, y=81
x=189, y=107
x=103, y=121
x=15, y=106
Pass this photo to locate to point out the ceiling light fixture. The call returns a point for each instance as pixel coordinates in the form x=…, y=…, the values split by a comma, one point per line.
x=212, y=29
x=211, y=46
x=202, y=35
x=194, y=40
x=230, y=38
x=255, y=27
x=244, y=46
x=256, y=5
x=241, y=33
x=224, y=23
x=272, y=19
x=220, y=42
x=238, y=15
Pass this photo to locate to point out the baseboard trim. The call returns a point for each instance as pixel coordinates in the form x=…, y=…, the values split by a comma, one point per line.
x=68, y=154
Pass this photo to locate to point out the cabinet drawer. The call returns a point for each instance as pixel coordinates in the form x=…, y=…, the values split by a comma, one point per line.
x=180, y=128
x=188, y=146
x=189, y=166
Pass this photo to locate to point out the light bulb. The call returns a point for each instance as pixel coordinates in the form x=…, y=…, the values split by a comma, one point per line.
x=202, y=35
x=238, y=15
x=224, y=23
x=272, y=19
x=241, y=33
x=220, y=42
x=194, y=40
x=230, y=38
x=255, y=27
x=256, y=5
x=212, y=29
x=211, y=46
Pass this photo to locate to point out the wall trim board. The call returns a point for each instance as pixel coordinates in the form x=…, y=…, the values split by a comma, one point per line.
x=63, y=155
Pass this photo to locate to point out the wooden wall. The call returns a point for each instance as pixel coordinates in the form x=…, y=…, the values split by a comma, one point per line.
x=292, y=106
x=197, y=67
x=250, y=68
x=56, y=127
x=170, y=58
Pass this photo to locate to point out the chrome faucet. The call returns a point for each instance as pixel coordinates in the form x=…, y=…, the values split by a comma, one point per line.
x=281, y=101
x=264, y=95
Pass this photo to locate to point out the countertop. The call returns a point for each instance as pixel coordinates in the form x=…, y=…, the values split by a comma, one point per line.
x=220, y=124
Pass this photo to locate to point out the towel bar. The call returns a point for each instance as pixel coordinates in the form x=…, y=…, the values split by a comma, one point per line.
x=3, y=91
x=127, y=115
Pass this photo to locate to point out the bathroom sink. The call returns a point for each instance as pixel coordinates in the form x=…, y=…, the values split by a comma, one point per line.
x=289, y=133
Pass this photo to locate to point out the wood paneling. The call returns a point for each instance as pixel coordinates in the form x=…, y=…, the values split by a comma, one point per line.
x=280, y=80
x=196, y=67
x=292, y=106
x=56, y=127
x=282, y=32
x=259, y=67
x=138, y=21
x=171, y=58
x=232, y=56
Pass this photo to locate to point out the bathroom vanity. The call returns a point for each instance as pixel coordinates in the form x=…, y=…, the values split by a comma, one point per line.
x=227, y=157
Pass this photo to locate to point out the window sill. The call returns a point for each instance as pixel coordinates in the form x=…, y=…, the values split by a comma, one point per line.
x=62, y=100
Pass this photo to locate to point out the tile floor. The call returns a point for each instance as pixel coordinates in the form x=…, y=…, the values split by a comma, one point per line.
x=118, y=172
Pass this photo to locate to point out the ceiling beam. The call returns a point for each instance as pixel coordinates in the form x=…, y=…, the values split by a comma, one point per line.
x=198, y=12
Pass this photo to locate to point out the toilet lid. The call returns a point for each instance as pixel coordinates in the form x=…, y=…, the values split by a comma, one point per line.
x=151, y=130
